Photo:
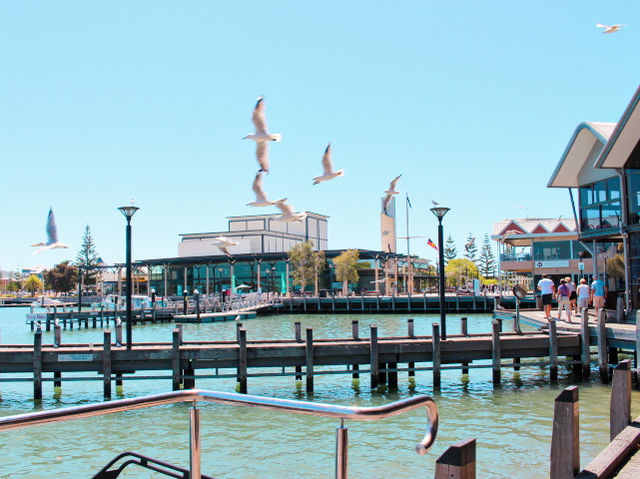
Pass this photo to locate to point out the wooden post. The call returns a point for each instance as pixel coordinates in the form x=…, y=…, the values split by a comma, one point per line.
x=620, y=405
x=603, y=364
x=373, y=356
x=586, y=341
x=238, y=327
x=37, y=365
x=495, y=351
x=410, y=331
x=553, y=351
x=435, y=345
x=189, y=383
x=565, y=445
x=299, y=340
x=458, y=462
x=309, y=359
x=57, y=335
x=411, y=365
x=355, y=331
x=242, y=361
x=392, y=375
x=464, y=331
x=57, y=381
x=106, y=364
x=175, y=359
x=118, y=333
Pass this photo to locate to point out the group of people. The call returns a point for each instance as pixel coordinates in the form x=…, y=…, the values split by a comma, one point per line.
x=571, y=297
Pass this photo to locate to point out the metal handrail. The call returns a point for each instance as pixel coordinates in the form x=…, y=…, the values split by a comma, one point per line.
x=193, y=395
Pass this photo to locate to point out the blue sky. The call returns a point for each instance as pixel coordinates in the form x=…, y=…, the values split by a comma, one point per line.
x=473, y=102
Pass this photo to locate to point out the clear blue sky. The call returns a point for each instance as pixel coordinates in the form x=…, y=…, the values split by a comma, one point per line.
x=473, y=102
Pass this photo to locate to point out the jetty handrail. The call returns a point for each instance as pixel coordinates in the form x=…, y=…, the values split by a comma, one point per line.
x=288, y=405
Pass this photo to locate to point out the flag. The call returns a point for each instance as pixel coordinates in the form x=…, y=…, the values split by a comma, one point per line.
x=432, y=244
x=409, y=202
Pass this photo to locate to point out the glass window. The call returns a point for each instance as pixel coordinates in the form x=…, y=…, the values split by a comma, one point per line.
x=607, y=214
x=600, y=192
x=613, y=185
x=551, y=250
x=633, y=187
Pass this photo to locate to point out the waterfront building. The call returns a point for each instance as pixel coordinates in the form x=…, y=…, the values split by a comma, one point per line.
x=531, y=247
x=602, y=163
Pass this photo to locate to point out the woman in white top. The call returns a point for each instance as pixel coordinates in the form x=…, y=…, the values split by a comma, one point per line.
x=583, y=294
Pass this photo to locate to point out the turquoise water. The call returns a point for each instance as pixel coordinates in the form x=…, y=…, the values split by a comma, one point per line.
x=512, y=424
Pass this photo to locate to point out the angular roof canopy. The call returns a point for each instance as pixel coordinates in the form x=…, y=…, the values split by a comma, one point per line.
x=624, y=138
x=576, y=165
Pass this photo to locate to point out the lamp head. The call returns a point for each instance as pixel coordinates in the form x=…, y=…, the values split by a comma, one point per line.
x=196, y=292
x=440, y=211
x=128, y=211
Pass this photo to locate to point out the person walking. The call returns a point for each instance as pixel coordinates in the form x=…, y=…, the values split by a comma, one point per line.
x=583, y=294
x=573, y=296
x=598, y=293
x=547, y=289
x=563, y=300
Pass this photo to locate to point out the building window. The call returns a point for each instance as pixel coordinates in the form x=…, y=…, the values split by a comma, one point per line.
x=551, y=250
x=600, y=207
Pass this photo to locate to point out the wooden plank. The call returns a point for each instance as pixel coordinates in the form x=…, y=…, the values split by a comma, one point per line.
x=37, y=365
x=615, y=454
x=242, y=361
x=458, y=461
x=106, y=364
x=631, y=469
x=586, y=342
x=603, y=364
x=309, y=359
x=175, y=360
x=435, y=341
x=495, y=351
x=565, y=439
x=373, y=356
x=620, y=404
x=553, y=351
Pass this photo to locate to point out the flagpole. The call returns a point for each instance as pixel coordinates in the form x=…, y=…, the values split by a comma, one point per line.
x=409, y=283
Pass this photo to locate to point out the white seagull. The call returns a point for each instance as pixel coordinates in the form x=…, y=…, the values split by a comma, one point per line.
x=610, y=28
x=435, y=203
x=327, y=166
x=261, y=136
x=390, y=192
x=261, y=197
x=52, y=236
x=223, y=243
x=288, y=214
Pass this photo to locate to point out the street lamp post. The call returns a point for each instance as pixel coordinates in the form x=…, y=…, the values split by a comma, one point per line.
x=128, y=212
x=439, y=212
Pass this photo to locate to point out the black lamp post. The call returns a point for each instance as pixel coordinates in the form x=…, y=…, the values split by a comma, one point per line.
x=439, y=212
x=128, y=212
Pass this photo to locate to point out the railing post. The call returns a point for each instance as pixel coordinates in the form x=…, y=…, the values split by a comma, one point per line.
x=565, y=437
x=342, y=451
x=553, y=351
x=586, y=342
x=458, y=462
x=435, y=356
x=603, y=363
x=194, y=443
x=620, y=406
x=309, y=359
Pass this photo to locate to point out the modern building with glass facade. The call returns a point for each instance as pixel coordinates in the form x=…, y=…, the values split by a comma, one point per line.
x=602, y=163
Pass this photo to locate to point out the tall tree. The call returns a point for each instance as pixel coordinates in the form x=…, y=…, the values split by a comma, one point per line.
x=33, y=284
x=486, y=259
x=306, y=263
x=87, y=257
x=459, y=270
x=450, y=251
x=470, y=248
x=62, y=277
x=346, y=264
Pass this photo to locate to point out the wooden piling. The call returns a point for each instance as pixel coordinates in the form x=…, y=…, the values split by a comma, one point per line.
x=189, y=382
x=355, y=331
x=309, y=359
x=298, y=330
x=495, y=351
x=411, y=365
x=458, y=461
x=37, y=365
x=435, y=344
x=238, y=327
x=553, y=351
x=620, y=405
x=118, y=333
x=57, y=381
x=565, y=445
x=603, y=364
x=106, y=364
x=585, y=343
x=373, y=356
x=242, y=361
x=392, y=375
x=57, y=335
x=465, y=332
x=175, y=359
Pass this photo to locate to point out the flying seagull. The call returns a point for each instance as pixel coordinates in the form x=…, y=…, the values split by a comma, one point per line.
x=52, y=236
x=287, y=213
x=390, y=192
x=223, y=243
x=261, y=136
x=435, y=203
x=610, y=28
x=261, y=197
x=327, y=166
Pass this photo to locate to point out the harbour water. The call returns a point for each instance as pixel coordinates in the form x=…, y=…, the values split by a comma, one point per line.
x=512, y=424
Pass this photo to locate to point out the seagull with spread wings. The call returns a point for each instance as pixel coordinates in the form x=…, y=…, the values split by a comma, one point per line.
x=610, y=28
x=327, y=166
x=261, y=136
x=287, y=213
x=223, y=243
x=390, y=192
x=52, y=236
x=261, y=196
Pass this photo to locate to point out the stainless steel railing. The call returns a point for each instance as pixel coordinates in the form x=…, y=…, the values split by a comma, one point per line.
x=193, y=395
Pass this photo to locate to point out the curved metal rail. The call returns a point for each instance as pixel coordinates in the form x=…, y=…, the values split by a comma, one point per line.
x=193, y=395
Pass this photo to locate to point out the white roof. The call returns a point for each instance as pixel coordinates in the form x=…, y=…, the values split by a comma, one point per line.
x=624, y=138
x=527, y=226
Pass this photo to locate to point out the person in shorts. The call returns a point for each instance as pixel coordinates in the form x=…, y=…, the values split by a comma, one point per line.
x=598, y=293
x=573, y=296
x=563, y=300
x=583, y=293
x=547, y=289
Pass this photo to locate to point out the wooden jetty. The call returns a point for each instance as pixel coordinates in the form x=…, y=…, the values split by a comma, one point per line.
x=187, y=361
x=213, y=317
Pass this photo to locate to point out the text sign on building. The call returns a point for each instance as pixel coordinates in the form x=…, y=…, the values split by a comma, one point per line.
x=559, y=263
